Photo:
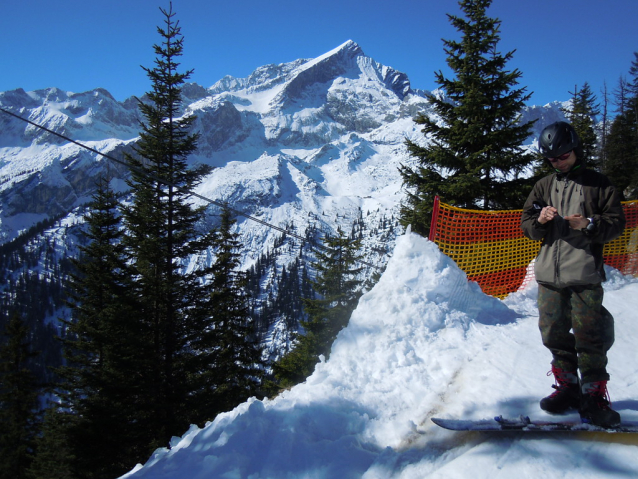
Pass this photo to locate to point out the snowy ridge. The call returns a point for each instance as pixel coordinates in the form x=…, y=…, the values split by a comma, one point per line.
x=422, y=343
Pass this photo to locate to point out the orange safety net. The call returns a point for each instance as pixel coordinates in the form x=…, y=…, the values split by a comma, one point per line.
x=490, y=248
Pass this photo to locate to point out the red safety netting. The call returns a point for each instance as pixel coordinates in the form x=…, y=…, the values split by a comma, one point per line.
x=490, y=248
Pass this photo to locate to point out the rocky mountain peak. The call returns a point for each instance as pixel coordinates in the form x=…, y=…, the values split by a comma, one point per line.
x=340, y=121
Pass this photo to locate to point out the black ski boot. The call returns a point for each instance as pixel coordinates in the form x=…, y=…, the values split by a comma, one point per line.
x=567, y=394
x=595, y=407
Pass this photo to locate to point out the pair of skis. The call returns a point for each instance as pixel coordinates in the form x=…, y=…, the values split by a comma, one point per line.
x=525, y=424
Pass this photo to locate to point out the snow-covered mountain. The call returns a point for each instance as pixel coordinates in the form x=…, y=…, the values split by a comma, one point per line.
x=307, y=146
x=308, y=139
x=307, y=142
x=422, y=343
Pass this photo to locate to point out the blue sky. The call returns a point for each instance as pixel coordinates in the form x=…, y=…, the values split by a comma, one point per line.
x=78, y=45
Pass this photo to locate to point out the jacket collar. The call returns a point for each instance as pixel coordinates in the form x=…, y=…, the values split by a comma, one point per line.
x=575, y=170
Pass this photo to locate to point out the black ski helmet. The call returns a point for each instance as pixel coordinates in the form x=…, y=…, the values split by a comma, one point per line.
x=557, y=139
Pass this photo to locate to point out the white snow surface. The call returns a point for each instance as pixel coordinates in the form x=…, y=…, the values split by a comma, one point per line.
x=424, y=342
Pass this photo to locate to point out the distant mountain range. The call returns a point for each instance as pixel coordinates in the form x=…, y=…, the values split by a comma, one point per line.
x=309, y=145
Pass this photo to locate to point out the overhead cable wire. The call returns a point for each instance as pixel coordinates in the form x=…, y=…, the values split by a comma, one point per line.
x=168, y=183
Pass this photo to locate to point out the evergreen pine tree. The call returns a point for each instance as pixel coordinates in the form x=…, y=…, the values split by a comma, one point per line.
x=473, y=156
x=633, y=108
x=605, y=125
x=621, y=162
x=621, y=147
x=18, y=401
x=582, y=115
x=102, y=347
x=55, y=457
x=338, y=288
x=633, y=90
x=236, y=367
x=161, y=234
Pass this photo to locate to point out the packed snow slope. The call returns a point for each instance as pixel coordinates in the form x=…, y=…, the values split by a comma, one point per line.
x=423, y=342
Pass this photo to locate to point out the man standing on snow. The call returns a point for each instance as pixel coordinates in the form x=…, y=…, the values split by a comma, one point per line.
x=575, y=211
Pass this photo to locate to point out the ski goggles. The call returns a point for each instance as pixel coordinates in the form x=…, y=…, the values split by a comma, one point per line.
x=564, y=156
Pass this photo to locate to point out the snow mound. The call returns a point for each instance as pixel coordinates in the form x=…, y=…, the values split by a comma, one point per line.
x=423, y=342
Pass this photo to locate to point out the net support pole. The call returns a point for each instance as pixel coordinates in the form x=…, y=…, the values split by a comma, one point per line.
x=435, y=219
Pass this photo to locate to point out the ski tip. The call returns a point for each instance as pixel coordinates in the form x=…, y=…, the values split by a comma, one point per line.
x=444, y=423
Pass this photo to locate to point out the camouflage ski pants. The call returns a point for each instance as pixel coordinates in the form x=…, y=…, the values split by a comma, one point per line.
x=577, y=329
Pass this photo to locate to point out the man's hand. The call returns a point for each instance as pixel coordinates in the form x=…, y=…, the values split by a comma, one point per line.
x=577, y=222
x=548, y=213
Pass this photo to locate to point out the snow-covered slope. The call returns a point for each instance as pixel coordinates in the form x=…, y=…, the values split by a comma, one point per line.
x=423, y=342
